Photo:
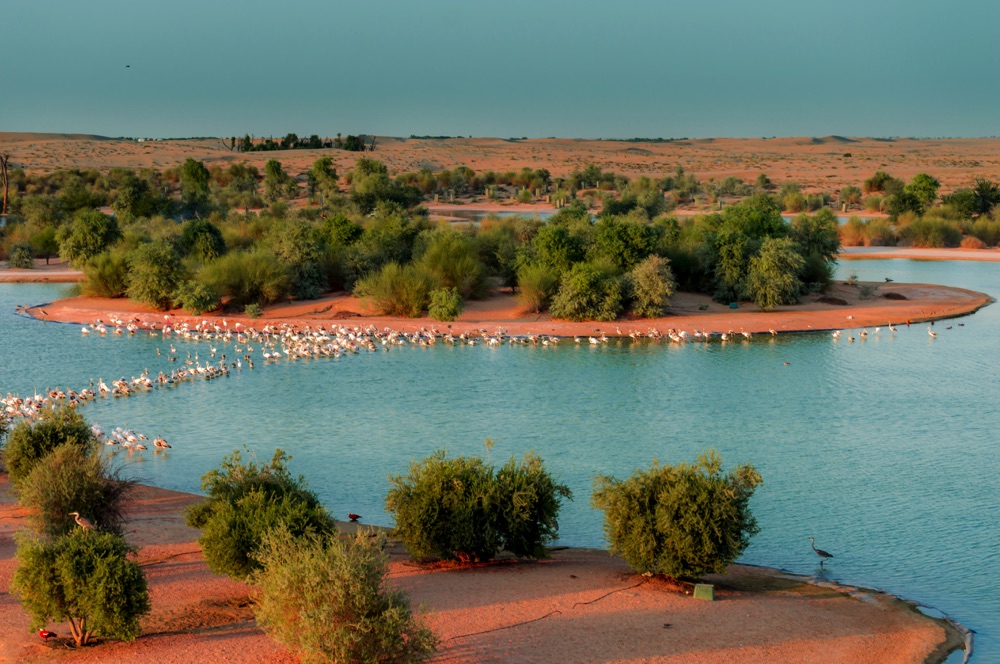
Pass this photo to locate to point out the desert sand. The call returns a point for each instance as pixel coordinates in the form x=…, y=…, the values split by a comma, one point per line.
x=579, y=606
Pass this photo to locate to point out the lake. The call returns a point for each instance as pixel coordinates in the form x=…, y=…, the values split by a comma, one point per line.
x=884, y=450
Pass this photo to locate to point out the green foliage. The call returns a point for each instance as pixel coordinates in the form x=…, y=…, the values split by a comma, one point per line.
x=397, y=290
x=71, y=479
x=195, y=297
x=327, y=600
x=931, y=233
x=590, y=291
x=880, y=182
x=89, y=579
x=461, y=508
x=683, y=521
x=904, y=202
x=742, y=228
x=245, y=502
x=924, y=188
x=850, y=194
x=45, y=244
x=341, y=231
x=295, y=245
x=155, y=270
x=134, y=198
x=89, y=234
x=21, y=255
x=557, y=248
x=29, y=442
x=445, y=304
x=450, y=258
x=242, y=278
x=370, y=186
x=253, y=310
x=195, y=184
x=652, y=285
x=986, y=196
x=107, y=274
x=817, y=234
x=622, y=241
x=202, y=239
x=278, y=185
x=537, y=284
x=773, y=278
x=322, y=177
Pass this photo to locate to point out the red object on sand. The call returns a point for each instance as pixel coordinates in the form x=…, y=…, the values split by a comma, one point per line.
x=353, y=517
x=46, y=634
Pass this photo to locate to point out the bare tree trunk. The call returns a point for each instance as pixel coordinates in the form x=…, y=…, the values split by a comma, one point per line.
x=4, y=158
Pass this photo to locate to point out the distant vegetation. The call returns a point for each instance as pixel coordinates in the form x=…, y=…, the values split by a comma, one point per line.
x=233, y=237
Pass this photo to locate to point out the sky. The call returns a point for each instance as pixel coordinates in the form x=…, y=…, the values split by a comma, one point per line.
x=535, y=68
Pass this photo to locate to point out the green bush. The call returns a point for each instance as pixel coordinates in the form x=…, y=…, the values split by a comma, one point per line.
x=242, y=278
x=932, y=233
x=29, y=442
x=155, y=270
x=397, y=290
x=21, y=255
x=450, y=258
x=86, y=578
x=987, y=230
x=245, y=502
x=683, y=521
x=106, y=275
x=202, y=239
x=253, y=310
x=327, y=600
x=773, y=278
x=69, y=479
x=461, y=509
x=195, y=297
x=537, y=283
x=446, y=304
x=652, y=284
x=589, y=291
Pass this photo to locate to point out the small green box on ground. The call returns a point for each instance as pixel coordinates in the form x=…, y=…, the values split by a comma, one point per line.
x=704, y=591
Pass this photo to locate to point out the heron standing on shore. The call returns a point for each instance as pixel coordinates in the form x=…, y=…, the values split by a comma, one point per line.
x=823, y=555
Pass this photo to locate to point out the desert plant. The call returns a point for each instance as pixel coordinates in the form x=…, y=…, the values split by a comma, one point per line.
x=868, y=291
x=88, y=579
x=397, y=290
x=445, y=304
x=874, y=203
x=21, y=255
x=461, y=508
x=244, y=278
x=195, y=297
x=106, y=274
x=450, y=258
x=253, y=310
x=972, y=242
x=70, y=480
x=589, y=291
x=537, y=284
x=155, y=270
x=246, y=500
x=932, y=233
x=326, y=599
x=652, y=285
x=29, y=442
x=683, y=521
x=773, y=278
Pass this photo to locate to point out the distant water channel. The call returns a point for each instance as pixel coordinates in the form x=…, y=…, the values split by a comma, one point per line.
x=885, y=450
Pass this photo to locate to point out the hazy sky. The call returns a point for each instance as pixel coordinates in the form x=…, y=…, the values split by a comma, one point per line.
x=512, y=68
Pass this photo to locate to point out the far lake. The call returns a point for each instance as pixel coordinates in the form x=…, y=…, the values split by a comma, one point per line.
x=884, y=450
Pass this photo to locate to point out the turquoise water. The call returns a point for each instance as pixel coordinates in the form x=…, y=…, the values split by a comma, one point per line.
x=884, y=450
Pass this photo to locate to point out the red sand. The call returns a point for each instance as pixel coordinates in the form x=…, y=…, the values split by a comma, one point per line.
x=580, y=606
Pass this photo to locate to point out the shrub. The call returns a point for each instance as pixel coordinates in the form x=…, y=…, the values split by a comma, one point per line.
x=106, y=275
x=397, y=290
x=195, y=297
x=683, y=521
x=155, y=271
x=972, y=242
x=256, y=277
x=874, y=203
x=29, y=442
x=90, y=234
x=879, y=233
x=932, y=233
x=537, y=284
x=86, y=578
x=245, y=502
x=253, y=310
x=987, y=230
x=652, y=284
x=70, y=480
x=450, y=258
x=446, y=304
x=589, y=292
x=202, y=239
x=459, y=508
x=773, y=278
x=326, y=599
x=21, y=255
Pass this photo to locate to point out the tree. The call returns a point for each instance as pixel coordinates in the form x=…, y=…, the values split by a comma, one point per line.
x=557, y=248
x=278, y=185
x=155, y=271
x=21, y=255
x=87, y=578
x=90, y=233
x=621, y=241
x=45, y=243
x=327, y=599
x=202, y=239
x=652, y=285
x=322, y=177
x=986, y=195
x=589, y=291
x=683, y=521
x=850, y=194
x=29, y=442
x=817, y=234
x=134, y=198
x=194, y=184
x=741, y=230
x=773, y=278
x=4, y=161
x=924, y=188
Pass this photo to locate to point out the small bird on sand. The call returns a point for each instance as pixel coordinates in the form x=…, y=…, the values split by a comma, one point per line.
x=823, y=555
x=82, y=521
x=46, y=634
x=353, y=517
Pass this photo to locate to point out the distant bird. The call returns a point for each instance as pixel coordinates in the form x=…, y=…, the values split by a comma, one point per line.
x=823, y=555
x=81, y=521
x=931, y=332
x=888, y=280
x=353, y=517
x=128, y=66
x=46, y=634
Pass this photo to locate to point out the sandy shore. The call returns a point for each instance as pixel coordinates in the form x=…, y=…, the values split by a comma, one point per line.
x=55, y=272
x=580, y=606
